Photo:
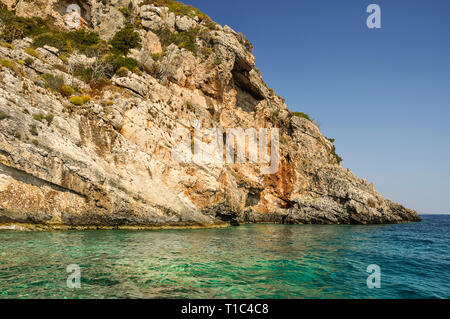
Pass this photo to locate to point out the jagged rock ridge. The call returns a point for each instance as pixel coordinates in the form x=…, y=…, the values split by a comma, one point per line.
x=106, y=161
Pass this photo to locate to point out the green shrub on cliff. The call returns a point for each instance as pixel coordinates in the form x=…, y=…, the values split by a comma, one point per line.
x=86, y=99
x=122, y=72
x=12, y=32
x=29, y=61
x=80, y=40
x=76, y=100
x=187, y=40
x=67, y=90
x=80, y=100
x=52, y=39
x=303, y=115
x=64, y=58
x=83, y=73
x=32, y=52
x=52, y=82
x=126, y=12
x=6, y=45
x=38, y=117
x=183, y=39
x=33, y=130
x=117, y=62
x=15, y=27
x=44, y=33
x=125, y=40
x=10, y=65
x=165, y=36
x=49, y=118
x=156, y=56
x=179, y=8
x=336, y=156
x=3, y=115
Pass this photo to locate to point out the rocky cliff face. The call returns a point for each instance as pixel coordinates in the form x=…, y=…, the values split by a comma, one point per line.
x=68, y=161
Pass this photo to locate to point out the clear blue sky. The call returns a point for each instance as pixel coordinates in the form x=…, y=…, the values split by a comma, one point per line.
x=384, y=94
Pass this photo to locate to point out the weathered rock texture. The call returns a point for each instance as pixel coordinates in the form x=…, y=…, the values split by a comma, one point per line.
x=108, y=163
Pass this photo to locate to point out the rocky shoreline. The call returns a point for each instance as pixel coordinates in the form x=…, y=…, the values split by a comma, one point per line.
x=75, y=154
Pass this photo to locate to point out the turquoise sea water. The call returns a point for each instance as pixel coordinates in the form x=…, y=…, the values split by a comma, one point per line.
x=254, y=261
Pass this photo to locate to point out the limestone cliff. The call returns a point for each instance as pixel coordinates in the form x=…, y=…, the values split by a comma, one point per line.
x=86, y=144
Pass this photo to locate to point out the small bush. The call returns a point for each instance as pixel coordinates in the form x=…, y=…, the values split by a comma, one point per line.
x=15, y=27
x=49, y=118
x=35, y=142
x=97, y=86
x=83, y=73
x=53, y=82
x=125, y=11
x=137, y=71
x=154, y=70
x=82, y=39
x=209, y=23
x=98, y=50
x=12, y=32
x=60, y=67
x=179, y=8
x=32, y=52
x=29, y=61
x=6, y=63
x=156, y=56
x=76, y=100
x=66, y=90
x=183, y=39
x=64, y=58
x=303, y=115
x=3, y=115
x=243, y=40
x=10, y=65
x=164, y=35
x=125, y=40
x=336, y=156
x=6, y=45
x=122, y=72
x=80, y=100
x=100, y=71
x=38, y=117
x=118, y=62
x=187, y=40
x=55, y=40
x=33, y=130
x=107, y=103
x=86, y=99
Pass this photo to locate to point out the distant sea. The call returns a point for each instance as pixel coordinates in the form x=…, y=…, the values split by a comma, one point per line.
x=251, y=261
